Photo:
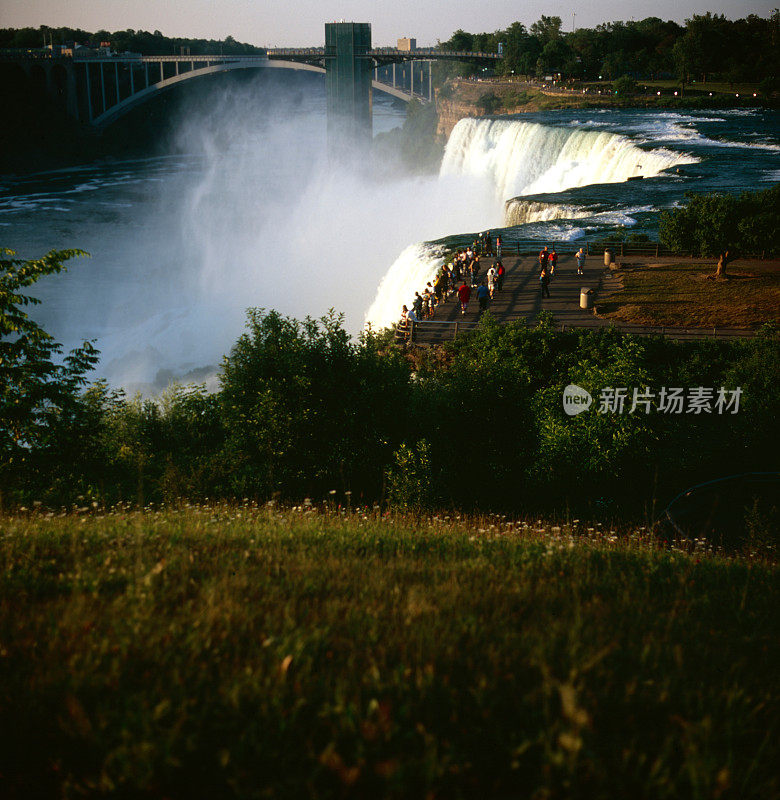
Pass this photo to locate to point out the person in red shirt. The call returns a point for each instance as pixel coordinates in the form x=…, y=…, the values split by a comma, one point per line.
x=543, y=256
x=464, y=295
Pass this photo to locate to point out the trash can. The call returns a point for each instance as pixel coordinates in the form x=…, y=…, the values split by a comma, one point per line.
x=586, y=297
x=609, y=257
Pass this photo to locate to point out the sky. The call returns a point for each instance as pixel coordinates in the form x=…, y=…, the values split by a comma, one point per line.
x=291, y=23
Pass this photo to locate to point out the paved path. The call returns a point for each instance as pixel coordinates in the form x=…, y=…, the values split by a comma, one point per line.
x=522, y=298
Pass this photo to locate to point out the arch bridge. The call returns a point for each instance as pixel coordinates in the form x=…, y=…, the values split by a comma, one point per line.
x=100, y=88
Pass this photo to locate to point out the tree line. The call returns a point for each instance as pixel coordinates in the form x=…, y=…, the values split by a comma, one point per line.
x=707, y=47
x=143, y=42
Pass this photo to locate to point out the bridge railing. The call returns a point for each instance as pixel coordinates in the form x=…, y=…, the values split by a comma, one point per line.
x=296, y=51
x=138, y=58
x=427, y=52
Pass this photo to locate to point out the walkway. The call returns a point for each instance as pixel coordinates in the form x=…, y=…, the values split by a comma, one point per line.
x=521, y=298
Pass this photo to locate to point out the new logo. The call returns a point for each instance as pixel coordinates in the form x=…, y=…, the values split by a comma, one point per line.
x=576, y=400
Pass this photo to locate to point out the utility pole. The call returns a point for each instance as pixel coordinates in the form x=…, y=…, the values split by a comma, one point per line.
x=573, y=18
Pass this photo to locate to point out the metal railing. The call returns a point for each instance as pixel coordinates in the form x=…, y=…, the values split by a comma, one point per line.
x=434, y=331
x=510, y=246
x=428, y=52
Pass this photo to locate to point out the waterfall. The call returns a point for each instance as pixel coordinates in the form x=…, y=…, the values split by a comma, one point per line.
x=522, y=158
x=519, y=158
x=520, y=212
x=416, y=265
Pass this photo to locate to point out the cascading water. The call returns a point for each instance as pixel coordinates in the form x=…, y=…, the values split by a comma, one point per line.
x=247, y=212
x=511, y=158
x=410, y=272
x=522, y=212
x=524, y=158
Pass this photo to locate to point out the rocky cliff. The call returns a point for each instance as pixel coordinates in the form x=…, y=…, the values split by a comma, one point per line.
x=449, y=112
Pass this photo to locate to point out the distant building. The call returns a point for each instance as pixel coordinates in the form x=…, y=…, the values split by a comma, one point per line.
x=82, y=50
x=407, y=44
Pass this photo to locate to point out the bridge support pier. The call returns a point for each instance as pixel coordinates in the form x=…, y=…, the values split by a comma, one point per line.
x=72, y=93
x=89, y=95
x=348, y=69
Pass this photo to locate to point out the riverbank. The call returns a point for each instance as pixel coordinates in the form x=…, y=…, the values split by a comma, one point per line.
x=473, y=98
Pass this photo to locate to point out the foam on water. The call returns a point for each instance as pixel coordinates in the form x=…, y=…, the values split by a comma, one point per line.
x=516, y=158
x=524, y=158
x=416, y=265
x=521, y=212
x=254, y=215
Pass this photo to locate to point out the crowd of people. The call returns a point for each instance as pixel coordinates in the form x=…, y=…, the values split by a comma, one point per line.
x=461, y=277
x=548, y=263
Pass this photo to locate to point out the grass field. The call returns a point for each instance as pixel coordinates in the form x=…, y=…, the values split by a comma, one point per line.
x=679, y=294
x=243, y=652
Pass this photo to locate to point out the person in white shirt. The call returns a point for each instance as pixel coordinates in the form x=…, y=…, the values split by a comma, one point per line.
x=580, y=261
x=491, y=280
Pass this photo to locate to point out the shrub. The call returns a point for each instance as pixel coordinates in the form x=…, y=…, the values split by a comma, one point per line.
x=625, y=86
x=489, y=103
x=712, y=224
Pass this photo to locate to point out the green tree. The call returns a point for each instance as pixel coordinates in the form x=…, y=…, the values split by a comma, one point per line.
x=723, y=225
x=307, y=410
x=555, y=57
x=546, y=29
x=39, y=388
x=489, y=103
x=460, y=42
x=625, y=86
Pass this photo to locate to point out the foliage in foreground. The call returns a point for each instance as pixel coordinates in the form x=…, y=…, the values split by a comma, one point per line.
x=303, y=411
x=237, y=652
x=39, y=390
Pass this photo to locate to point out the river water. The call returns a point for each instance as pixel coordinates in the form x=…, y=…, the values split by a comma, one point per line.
x=245, y=210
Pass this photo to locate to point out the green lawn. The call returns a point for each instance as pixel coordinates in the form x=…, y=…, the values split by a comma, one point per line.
x=241, y=652
x=716, y=87
x=680, y=294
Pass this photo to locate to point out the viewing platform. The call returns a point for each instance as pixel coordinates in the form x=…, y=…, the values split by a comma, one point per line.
x=521, y=299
